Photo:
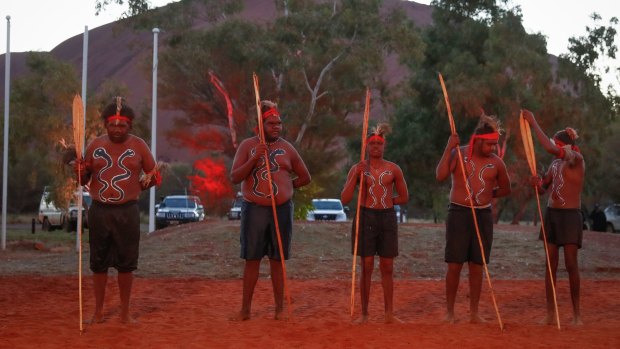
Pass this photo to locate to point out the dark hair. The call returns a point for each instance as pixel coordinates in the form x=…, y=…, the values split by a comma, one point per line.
x=488, y=124
x=113, y=108
x=566, y=136
x=267, y=105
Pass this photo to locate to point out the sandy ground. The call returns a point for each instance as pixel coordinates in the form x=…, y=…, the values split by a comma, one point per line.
x=191, y=309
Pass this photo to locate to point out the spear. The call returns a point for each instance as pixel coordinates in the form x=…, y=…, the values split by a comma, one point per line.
x=471, y=200
x=261, y=136
x=526, y=137
x=359, y=196
x=78, y=138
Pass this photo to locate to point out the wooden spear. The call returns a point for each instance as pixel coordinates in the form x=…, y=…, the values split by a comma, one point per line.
x=471, y=200
x=359, y=196
x=530, y=154
x=78, y=138
x=261, y=136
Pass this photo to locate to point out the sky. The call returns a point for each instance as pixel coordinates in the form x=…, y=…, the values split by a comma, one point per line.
x=40, y=25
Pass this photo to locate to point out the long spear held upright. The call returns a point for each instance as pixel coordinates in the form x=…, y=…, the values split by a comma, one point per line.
x=471, y=201
x=359, y=197
x=78, y=138
x=261, y=136
x=530, y=154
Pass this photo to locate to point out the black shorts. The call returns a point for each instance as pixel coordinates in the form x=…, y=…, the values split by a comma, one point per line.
x=563, y=226
x=378, y=233
x=461, y=239
x=114, y=232
x=258, y=231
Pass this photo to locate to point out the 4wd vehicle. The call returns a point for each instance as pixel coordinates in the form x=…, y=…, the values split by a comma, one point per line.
x=612, y=214
x=49, y=216
x=72, y=213
x=178, y=209
x=327, y=210
x=52, y=217
x=235, y=209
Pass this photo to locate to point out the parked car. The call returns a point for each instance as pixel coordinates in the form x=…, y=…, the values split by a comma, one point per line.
x=327, y=210
x=72, y=212
x=52, y=217
x=401, y=214
x=178, y=209
x=612, y=214
x=235, y=208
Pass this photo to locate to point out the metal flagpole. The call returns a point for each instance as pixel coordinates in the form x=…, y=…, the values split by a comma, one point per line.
x=5, y=155
x=78, y=231
x=153, y=129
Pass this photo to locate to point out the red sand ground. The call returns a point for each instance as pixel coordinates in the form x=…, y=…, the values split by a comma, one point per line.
x=42, y=312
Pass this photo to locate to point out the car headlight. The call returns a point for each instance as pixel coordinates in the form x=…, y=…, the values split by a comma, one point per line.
x=160, y=214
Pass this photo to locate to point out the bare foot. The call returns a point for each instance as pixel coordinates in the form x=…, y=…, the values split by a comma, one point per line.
x=280, y=316
x=577, y=321
x=449, y=318
x=241, y=316
x=362, y=320
x=127, y=319
x=476, y=319
x=96, y=319
x=548, y=320
x=391, y=319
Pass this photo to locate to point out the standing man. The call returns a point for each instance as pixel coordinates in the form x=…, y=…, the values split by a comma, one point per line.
x=258, y=232
x=563, y=217
x=378, y=227
x=118, y=166
x=487, y=179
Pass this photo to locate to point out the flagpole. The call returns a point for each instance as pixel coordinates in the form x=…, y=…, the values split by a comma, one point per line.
x=78, y=230
x=5, y=155
x=153, y=129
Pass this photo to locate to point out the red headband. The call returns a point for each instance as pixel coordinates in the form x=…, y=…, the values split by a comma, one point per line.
x=561, y=145
x=270, y=112
x=374, y=137
x=494, y=136
x=118, y=118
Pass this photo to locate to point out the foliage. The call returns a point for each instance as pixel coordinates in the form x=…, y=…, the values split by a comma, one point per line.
x=490, y=64
x=40, y=120
x=314, y=60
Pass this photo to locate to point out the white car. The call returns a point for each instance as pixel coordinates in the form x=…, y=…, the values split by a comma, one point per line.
x=327, y=210
x=612, y=214
x=179, y=209
x=235, y=209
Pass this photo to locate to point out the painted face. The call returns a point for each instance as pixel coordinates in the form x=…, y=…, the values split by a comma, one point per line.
x=375, y=148
x=272, y=127
x=118, y=130
x=487, y=147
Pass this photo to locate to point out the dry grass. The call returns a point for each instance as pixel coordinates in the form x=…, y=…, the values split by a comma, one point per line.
x=210, y=249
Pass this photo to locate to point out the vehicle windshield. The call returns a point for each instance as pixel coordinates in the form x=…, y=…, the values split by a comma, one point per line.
x=87, y=200
x=327, y=205
x=180, y=202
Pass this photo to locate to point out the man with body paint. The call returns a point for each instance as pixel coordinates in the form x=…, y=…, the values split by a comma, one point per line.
x=563, y=217
x=487, y=178
x=258, y=232
x=378, y=228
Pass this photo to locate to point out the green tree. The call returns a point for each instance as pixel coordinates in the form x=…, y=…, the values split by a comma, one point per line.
x=40, y=124
x=314, y=60
x=490, y=63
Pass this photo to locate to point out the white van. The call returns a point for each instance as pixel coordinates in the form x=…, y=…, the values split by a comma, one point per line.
x=51, y=217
